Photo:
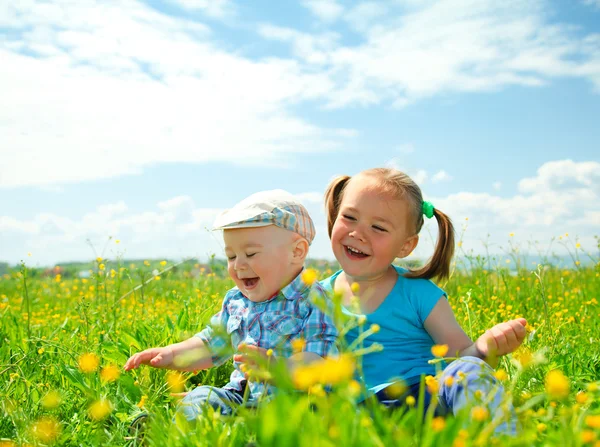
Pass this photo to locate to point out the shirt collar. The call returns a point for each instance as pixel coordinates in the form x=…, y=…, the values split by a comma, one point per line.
x=295, y=288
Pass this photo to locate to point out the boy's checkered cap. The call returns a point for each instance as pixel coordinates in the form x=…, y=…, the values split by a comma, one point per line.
x=276, y=207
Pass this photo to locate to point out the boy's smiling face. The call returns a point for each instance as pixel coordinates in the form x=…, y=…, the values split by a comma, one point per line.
x=261, y=260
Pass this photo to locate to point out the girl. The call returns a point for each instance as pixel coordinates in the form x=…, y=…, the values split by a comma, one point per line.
x=374, y=218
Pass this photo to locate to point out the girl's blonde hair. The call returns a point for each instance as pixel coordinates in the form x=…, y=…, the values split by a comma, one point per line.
x=403, y=187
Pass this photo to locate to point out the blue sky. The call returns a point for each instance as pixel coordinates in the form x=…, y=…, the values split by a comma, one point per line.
x=140, y=121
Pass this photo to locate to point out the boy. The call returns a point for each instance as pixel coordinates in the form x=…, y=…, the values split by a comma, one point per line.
x=267, y=237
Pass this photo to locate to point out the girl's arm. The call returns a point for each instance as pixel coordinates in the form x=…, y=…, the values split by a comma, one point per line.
x=497, y=341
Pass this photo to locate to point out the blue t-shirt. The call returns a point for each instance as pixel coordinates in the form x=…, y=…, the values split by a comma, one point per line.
x=406, y=344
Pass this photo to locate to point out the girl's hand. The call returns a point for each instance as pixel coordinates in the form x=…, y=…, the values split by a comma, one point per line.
x=502, y=339
x=156, y=357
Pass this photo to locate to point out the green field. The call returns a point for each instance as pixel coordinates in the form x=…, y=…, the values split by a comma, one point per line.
x=64, y=340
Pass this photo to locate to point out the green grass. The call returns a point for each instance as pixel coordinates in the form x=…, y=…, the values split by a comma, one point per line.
x=48, y=322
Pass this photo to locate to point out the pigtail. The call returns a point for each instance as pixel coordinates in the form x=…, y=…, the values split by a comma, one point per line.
x=439, y=264
x=333, y=198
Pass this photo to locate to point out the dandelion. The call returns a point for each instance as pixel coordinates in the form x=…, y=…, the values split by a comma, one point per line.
x=41, y=351
x=541, y=427
x=46, y=429
x=110, y=373
x=593, y=421
x=410, y=401
x=101, y=266
x=100, y=409
x=438, y=423
x=354, y=388
x=298, y=345
x=375, y=328
x=89, y=362
x=432, y=384
x=479, y=414
x=98, y=259
x=175, y=381
x=557, y=385
x=439, y=350
x=163, y=263
x=501, y=375
x=51, y=400
x=587, y=436
x=309, y=276
x=581, y=397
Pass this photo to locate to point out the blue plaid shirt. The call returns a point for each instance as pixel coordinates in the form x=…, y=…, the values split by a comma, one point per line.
x=271, y=324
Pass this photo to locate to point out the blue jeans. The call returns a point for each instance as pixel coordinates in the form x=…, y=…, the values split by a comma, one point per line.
x=478, y=376
x=222, y=400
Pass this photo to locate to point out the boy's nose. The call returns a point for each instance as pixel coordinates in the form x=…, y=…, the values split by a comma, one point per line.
x=355, y=234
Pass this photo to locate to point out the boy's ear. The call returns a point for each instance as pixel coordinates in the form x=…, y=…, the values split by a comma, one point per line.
x=300, y=250
x=409, y=245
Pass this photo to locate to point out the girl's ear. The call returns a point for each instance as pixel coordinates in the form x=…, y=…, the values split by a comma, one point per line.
x=408, y=246
x=300, y=250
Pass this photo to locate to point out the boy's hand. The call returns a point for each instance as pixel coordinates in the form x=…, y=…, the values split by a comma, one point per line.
x=502, y=339
x=156, y=357
x=257, y=362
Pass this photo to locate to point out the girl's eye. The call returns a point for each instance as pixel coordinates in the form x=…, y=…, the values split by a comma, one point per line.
x=347, y=216
x=231, y=258
x=250, y=255
x=379, y=228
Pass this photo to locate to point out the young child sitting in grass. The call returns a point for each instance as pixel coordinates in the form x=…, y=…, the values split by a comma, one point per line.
x=267, y=237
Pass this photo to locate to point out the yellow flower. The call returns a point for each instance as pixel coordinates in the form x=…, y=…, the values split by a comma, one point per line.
x=98, y=259
x=100, y=409
x=88, y=362
x=176, y=381
x=142, y=402
x=101, y=266
x=117, y=241
x=269, y=352
x=298, y=345
x=51, y=400
x=375, y=328
x=41, y=351
x=448, y=381
x=163, y=263
x=588, y=436
x=512, y=234
x=501, y=375
x=395, y=390
x=46, y=429
x=439, y=350
x=113, y=273
x=479, y=414
x=557, y=385
x=147, y=263
x=329, y=371
x=309, y=276
x=110, y=373
x=541, y=427
x=355, y=287
x=438, y=423
x=354, y=388
x=410, y=401
x=432, y=384
x=592, y=387
x=593, y=421
x=581, y=397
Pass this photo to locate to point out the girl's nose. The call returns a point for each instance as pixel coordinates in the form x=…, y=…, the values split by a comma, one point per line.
x=356, y=235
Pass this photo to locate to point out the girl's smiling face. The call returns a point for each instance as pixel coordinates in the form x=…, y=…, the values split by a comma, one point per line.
x=372, y=229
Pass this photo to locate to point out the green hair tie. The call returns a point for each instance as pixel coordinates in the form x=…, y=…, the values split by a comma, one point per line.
x=428, y=209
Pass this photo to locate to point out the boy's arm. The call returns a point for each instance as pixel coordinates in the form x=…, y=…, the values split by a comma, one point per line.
x=502, y=339
x=188, y=355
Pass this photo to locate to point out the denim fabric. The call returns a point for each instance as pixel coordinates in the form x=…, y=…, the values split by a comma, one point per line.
x=477, y=376
x=222, y=400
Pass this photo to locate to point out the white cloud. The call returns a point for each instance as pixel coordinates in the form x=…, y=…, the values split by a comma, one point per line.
x=212, y=8
x=326, y=10
x=563, y=175
x=118, y=87
x=435, y=47
x=594, y=3
x=310, y=197
x=441, y=176
x=407, y=148
x=497, y=186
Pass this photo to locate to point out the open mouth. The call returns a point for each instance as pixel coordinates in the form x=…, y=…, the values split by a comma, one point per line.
x=250, y=283
x=354, y=253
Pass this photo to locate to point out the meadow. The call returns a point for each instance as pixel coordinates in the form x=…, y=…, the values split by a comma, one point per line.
x=65, y=338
